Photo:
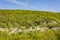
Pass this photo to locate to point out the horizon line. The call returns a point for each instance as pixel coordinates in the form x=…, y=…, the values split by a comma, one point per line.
x=32, y=10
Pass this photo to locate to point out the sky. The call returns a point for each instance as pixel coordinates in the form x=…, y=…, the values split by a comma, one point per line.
x=43, y=5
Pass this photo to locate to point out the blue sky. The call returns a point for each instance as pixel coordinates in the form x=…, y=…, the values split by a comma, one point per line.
x=45, y=5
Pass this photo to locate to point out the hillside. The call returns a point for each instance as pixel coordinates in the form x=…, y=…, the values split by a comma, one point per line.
x=18, y=18
x=29, y=25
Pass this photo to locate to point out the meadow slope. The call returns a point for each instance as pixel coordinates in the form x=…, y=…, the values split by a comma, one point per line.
x=24, y=19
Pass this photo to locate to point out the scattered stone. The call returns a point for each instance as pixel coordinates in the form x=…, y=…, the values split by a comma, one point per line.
x=17, y=30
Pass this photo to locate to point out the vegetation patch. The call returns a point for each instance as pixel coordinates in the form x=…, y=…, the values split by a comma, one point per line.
x=28, y=20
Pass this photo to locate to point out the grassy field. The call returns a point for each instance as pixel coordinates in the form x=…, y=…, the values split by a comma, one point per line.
x=25, y=19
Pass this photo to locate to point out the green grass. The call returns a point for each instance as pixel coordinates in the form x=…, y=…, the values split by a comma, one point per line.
x=26, y=19
x=18, y=18
x=34, y=35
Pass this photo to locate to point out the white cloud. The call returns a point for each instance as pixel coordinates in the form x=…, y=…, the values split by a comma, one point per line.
x=17, y=2
x=24, y=4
